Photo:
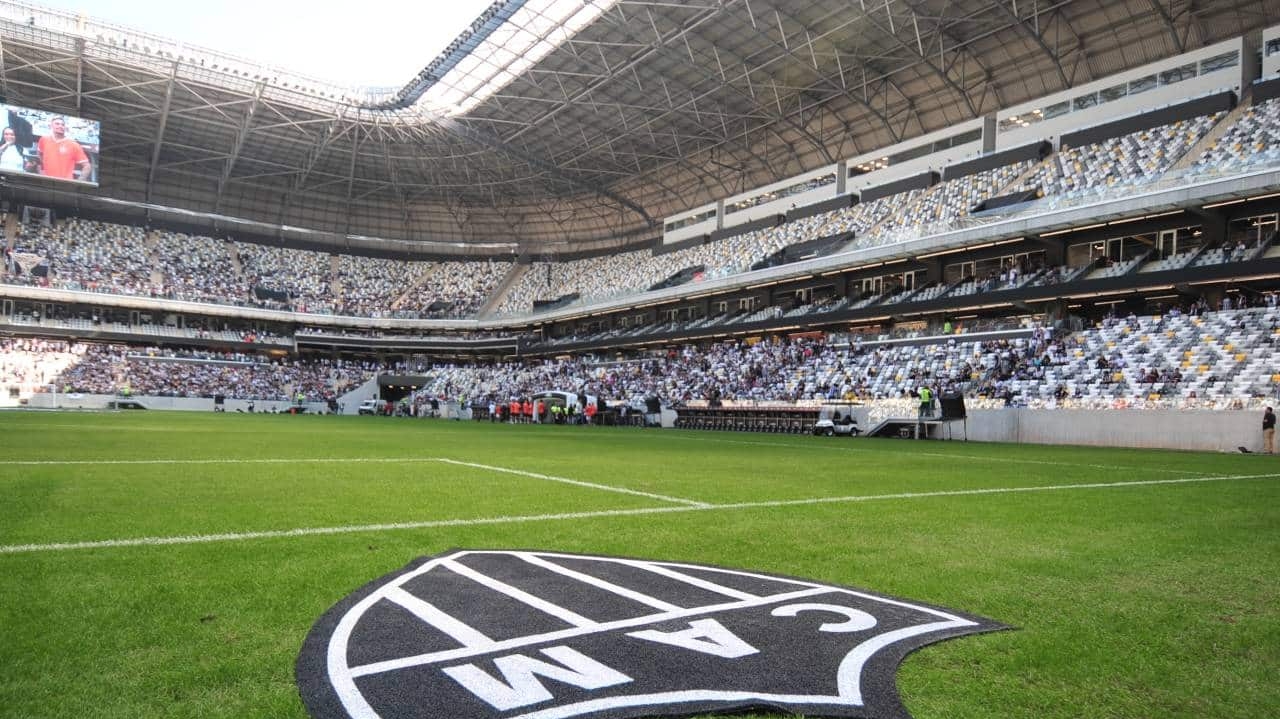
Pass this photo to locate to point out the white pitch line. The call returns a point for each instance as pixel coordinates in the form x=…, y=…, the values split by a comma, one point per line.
x=230, y=460
x=351, y=529
x=359, y=460
x=575, y=482
x=313, y=531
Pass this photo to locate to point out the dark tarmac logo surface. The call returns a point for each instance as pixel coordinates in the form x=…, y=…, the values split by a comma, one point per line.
x=476, y=634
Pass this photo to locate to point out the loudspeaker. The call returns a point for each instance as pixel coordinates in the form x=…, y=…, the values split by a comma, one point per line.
x=953, y=406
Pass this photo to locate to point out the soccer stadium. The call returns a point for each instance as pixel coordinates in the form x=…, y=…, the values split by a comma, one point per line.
x=632, y=359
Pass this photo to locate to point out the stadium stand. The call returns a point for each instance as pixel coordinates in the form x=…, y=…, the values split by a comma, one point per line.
x=457, y=288
x=29, y=365
x=116, y=368
x=941, y=205
x=1253, y=140
x=198, y=269
x=1174, y=360
x=862, y=218
x=1132, y=159
x=370, y=287
x=300, y=279
x=91, y=255
x=85, y=254
x=700, y=319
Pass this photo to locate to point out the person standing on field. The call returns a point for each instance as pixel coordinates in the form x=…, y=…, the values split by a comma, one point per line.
x=1269, y=431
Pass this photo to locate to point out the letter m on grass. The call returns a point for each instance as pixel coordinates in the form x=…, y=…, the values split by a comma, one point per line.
x=520, y=685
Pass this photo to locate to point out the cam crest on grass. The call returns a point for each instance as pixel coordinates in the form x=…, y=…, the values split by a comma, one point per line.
x=473, y=634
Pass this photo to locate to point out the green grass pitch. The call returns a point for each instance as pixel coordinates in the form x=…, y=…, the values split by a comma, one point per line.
x=147, y=570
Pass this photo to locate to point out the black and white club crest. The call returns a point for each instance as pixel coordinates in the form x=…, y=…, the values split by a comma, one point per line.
x=474, y=634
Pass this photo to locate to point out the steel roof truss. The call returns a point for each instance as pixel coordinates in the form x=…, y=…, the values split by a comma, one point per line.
x=241, y=136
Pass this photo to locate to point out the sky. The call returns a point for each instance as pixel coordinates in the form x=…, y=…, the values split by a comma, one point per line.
x=383, y=45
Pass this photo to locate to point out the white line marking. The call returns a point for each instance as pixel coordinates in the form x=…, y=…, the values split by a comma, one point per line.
x=278, y=460
x=356, y=460
x=559, y=635
x=631, y=594
x=693, y=581
x=352, y=529
x=575, y=482
x=38, y=427
x=839, y=446
x=464, y=634
x=567, y=616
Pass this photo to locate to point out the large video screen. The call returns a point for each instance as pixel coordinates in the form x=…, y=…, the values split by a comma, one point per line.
x=48, y=144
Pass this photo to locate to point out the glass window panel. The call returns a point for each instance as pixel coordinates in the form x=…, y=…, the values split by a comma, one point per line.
x=1057, y=109
x=1219, y=62
x=1178, y=74
x=1085, y=102
x=1142, y=84
x=1114, y=93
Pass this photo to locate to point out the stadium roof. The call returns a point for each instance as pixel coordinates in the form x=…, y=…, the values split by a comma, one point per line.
x=603, y=124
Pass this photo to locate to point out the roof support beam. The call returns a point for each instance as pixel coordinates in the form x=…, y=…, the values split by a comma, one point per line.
x=164, y=120
x=659, y=42
x=884, y=79
x=4, y=72
x=1168, y=23
x=351, y=170
x=496, y=143
x=241, y=135
x=313, y=156
x=395, y=186
x=1035, y=36
x=904, y=45
x=823, y=77
x=775, y=116
x=318, y=149
x=79, y=75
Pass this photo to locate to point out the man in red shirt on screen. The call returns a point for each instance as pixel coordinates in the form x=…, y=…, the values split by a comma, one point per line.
x=60, y=155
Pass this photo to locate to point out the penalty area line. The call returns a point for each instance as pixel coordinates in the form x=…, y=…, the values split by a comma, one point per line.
x=575, y=482
x=359, y=460
x=353, y=529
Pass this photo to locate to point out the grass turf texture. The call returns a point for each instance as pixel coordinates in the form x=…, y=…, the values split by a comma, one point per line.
x=1137, y=601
